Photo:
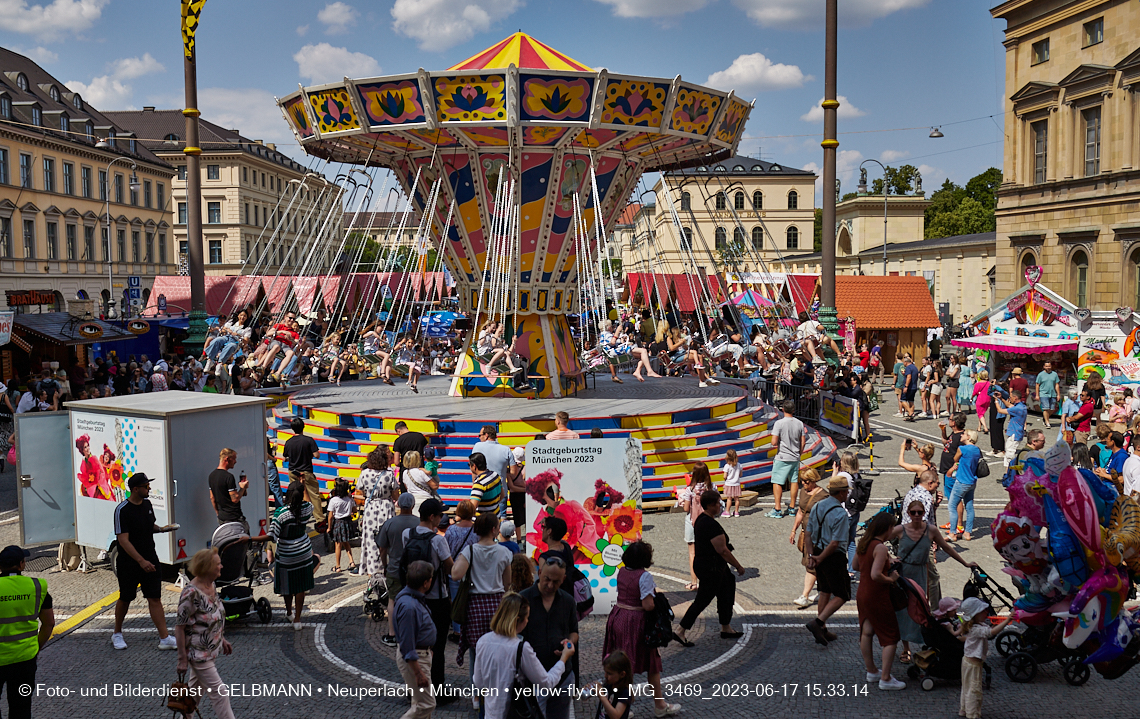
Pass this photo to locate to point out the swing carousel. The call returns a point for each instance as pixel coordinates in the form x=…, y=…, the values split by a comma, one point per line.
x=517, y=160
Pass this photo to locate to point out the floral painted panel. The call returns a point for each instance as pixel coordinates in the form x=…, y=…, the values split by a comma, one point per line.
x=542, y=135
x=557, y=98
x=732, y=124
x=694, y=111
x=480, y=98
x=333, y=110
x=634, y=102
x=392, y=103
x=298, y=118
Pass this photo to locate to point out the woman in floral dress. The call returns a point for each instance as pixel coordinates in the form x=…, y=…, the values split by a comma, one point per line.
x=198, y=629
x=380, y=490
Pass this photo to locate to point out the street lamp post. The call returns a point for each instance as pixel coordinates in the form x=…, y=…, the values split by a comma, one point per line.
x=109, y=311
x=828, y=316
x=886, y=191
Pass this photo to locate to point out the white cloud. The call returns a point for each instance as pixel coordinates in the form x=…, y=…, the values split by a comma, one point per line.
x=337, y=17
x=804, y=14
x=301, y=30
x=110, y=92
x=846, y=164
x=890, y=156
x=41, y=55
x=846, y=111
x=324, y=63
x=440, y=24
x=757, y=73
x=50, y=21
x=653, y=8
x=253, y=112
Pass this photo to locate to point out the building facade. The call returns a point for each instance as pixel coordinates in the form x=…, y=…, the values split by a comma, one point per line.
x=959, y=270
x=84, y=207
x=261, y=210
x=742, y=214
x=1070, y=201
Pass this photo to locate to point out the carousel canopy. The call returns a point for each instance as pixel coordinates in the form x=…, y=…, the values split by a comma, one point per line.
x=557, y=128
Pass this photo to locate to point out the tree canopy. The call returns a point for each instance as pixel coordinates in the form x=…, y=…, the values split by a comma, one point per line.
x=956, y=210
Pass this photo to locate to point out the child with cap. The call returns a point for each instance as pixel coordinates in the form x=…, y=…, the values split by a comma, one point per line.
x=976, y=632
x=516, y=491
x=506, y=536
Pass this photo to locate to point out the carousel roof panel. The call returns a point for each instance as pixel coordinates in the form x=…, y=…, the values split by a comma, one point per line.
x=520, y=50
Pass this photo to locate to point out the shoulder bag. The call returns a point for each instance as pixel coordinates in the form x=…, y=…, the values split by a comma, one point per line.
x=982, y=470
x=463, y=593
x=180, y=699
x=523, y=703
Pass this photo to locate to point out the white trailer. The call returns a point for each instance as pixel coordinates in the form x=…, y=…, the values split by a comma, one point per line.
x=74, y=466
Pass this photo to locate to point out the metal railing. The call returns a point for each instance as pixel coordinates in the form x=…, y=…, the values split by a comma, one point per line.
x=775, y=393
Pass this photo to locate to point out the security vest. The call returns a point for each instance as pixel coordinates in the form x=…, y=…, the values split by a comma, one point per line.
x=20, y=601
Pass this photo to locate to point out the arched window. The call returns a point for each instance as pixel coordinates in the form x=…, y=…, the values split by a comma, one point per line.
x=738, y=238
x=721, y=239
x=54, y=92
x=793, y=200
x=1027, y=260
x=22, y=82
x=758, y=200
x=686, y=201
x=793, y=238
x=77, y=101
x=1079, y=278
x=81, y=295
x=170, y=137
x=721, y=201
x=757, y=238
x=1132, y=289
x=687, y=239
x=738, y=201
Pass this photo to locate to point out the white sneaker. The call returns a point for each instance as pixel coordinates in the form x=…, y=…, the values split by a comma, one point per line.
x=802, y=601
x=117, y=641
x=702, y=385
x=890, y=684
x=713, y=380
x=874, y=676
x=923, y=415
x=898, y=414
x=169, y=643
x=813, y=596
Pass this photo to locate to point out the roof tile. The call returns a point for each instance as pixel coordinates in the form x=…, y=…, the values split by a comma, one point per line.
x=886, y=303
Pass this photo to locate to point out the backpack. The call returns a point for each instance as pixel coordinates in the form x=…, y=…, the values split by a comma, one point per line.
x=416, y=548
x=860, y=495
x=659, y=624
x=583, y=594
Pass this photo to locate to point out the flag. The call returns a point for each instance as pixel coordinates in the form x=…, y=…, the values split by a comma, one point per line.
x=191, y=13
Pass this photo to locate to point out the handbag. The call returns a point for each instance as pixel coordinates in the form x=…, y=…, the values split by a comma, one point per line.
x=180, y=699
x=982, y=470
x=523, y=704
x=898, y=595
x=463, y=594
x=659, y=623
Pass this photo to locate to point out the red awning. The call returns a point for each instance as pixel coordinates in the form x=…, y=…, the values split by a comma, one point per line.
x=802, y=289
x=1015, y=344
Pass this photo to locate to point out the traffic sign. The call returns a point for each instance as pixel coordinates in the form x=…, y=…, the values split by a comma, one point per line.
x=136, y=293
x=134, y=281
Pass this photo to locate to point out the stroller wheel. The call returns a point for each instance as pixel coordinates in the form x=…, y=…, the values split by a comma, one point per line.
x=1007, y=643
x=1076, y=672
x=377, y=615
x=264, y=611
x=1021, y=667
x=927, y=684
x=913, y=672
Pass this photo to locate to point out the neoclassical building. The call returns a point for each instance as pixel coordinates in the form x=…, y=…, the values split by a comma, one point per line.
x=1070, y=201
x=83, y=205
x=762, y=209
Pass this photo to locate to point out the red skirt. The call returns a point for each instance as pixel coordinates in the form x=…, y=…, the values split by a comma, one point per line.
x=625, y=630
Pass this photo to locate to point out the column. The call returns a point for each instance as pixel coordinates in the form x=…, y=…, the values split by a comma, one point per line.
x=1069, y=140
x=1052, y=145
x=1106, y=125
x=1129, y=127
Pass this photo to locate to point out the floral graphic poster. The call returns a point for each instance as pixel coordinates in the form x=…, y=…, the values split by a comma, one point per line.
x=594, y=485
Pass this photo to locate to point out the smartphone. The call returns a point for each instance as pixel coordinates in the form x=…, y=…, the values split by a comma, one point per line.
x=909, y=443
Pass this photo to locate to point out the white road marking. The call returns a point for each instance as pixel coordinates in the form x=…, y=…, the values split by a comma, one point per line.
x=322, y=647
x=13, y=520
x=723, y=658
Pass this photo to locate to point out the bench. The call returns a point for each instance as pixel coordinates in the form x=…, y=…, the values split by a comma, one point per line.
x=570, y=383
x=464, y=383
x=748, y=498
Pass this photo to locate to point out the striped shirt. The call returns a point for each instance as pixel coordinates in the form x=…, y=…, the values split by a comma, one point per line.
x=291, y=552
x=487, y=492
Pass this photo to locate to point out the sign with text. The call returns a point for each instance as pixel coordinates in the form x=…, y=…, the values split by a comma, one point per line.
x=27, y=298
x=594, y=485
x=839, y=414
x=6, y=321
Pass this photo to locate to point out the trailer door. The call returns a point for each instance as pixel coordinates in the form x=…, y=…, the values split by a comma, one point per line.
x=45, y=492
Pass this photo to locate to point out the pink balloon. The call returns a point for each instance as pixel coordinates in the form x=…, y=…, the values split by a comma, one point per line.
x=1077, y=504
x=1025, y=496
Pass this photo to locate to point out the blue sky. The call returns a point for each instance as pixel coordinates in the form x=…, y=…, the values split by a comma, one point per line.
x=902, y=63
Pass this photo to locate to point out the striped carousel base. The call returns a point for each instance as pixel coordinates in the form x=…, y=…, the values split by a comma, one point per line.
x=678, y=423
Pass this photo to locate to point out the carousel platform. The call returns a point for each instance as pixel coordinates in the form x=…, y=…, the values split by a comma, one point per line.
x=678, y=423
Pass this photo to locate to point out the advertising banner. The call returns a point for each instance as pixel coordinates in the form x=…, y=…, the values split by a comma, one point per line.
x=108, y=449
x=594, y=485
x=839, y=414
x=6, y=321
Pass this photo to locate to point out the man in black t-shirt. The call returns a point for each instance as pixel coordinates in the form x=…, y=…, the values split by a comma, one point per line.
x=299, y=451
x=137, y=562
x=226, y=492
x=406, y=441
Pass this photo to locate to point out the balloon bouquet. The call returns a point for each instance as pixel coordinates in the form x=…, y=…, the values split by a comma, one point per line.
x=1082, y=570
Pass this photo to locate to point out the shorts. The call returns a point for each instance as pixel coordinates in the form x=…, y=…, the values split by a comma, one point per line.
x=690, y=538
x=131, y=576
x=831, y=576
x=785, y=472
x=908, y=395
x=936, y=389
x=395, y=586
x=1049, y=403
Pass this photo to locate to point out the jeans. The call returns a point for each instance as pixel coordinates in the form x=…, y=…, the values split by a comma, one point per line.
x=222, y=349
x=963, y=493
x=273, y=477
x=454, y=587
x=852, y=560
x=557, y=706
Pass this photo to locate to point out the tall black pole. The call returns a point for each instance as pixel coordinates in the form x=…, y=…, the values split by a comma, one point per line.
x=827, y=311
x=194, y=248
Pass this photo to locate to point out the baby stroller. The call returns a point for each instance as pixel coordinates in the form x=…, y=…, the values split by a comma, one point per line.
x=942, y=657
x=376, y=598
x=239, y=567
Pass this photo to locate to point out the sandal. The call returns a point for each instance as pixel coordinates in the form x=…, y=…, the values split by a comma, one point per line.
x=905, y=658
x=945, y=526
x=951, y=537
x=352, y=567
x=966, y=537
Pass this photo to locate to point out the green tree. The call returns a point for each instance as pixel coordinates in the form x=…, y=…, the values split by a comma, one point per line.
x=901, y=180
x=983, y=188
x=968, y=217
x=965, y=210
x=849, y=196
x=817, y=244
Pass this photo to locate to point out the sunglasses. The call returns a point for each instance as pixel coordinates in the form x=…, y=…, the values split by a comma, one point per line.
x=556, y=561
x=916, y=513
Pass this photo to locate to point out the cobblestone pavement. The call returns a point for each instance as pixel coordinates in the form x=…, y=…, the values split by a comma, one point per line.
x=776, y=670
